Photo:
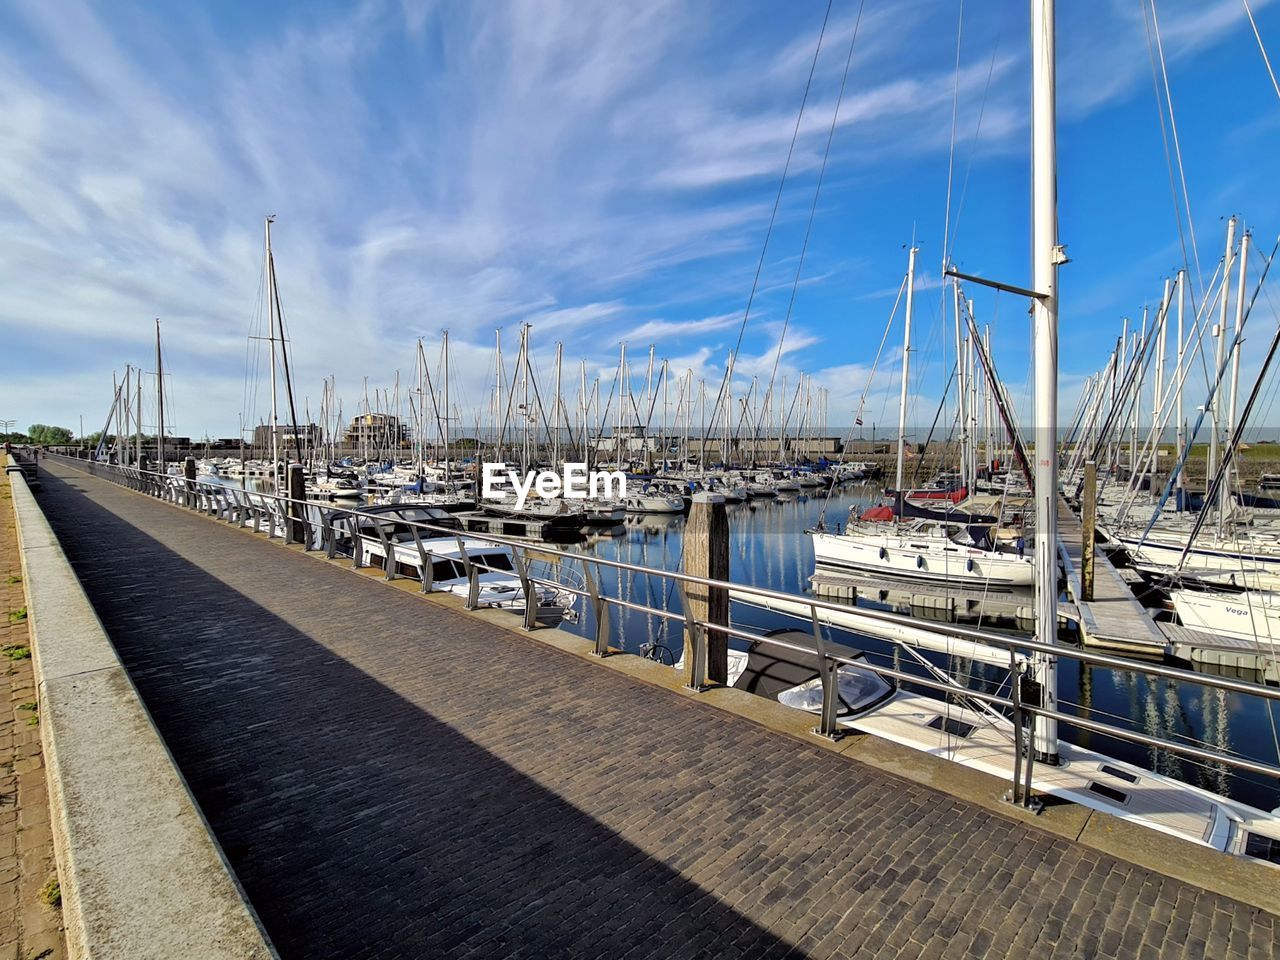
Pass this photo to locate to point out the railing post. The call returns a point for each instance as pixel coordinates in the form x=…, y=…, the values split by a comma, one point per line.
x=357, y=543
x=426, y=574
x=389, y=565
x=473, y=576
x=327, y=536
x=695, y=644
x=601, y=611
x=189, y=488
x=530, y=594
x=828, y=724
x=706, y=555
x=1015, y=692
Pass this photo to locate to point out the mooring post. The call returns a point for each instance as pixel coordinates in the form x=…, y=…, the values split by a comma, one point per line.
x=1088, y=520
x=706, y=554
x=189, y=474
x=297, y=504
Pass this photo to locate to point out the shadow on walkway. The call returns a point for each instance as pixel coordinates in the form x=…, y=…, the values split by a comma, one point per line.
x=359, y=823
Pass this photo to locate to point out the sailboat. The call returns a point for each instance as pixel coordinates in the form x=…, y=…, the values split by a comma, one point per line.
x=973, y=734
x=900, y=542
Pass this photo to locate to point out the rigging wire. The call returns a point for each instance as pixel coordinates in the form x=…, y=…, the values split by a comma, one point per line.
x=1262, y=49
x=1154, y=28
x=973, y=147
x=817, y=190
x=951, y=157
x=777, y=203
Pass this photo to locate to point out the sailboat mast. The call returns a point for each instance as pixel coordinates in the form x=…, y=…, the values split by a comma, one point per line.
x=271, y=337
x=159, y=403
x=445, y=348
x=906, y=368
x=137, y=453
x=1046, y=256
x=1179, y=430
x=1220, y=335
x=1235, y=353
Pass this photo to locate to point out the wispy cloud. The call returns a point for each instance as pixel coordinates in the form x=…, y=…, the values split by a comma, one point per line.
x=602, y=172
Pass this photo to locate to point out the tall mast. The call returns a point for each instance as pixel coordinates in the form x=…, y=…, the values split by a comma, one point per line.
x=524, y=381
x=556, y=407
x=1180, y=432
x=906, y=367
x=1235, y=353
x=956, y=300
x=1220, y=335
x=499, y=420
x=271, y=337
x=137, y=453
x=582, y=410
x=1046, y=256
x=159, y=403
x=972, y=380
x=445, y=348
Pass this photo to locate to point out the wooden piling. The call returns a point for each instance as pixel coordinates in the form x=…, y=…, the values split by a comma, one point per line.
x=1088, y=523
x=189, y=474
x=297, y=494
x=706, y=554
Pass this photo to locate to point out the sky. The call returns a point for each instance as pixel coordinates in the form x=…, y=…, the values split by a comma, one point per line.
x=605, y=172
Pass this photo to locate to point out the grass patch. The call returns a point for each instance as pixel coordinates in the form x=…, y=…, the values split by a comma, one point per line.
x=28, y=706
x=12, y=579
x=16, y=651
x=17, y=616
x=51, y=893
x=33, y=721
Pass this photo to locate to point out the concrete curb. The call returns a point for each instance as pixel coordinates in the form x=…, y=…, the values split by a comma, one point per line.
x=141, y=874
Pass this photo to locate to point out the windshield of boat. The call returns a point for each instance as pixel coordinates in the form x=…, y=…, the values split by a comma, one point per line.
x=489, y=562
x=859, y=688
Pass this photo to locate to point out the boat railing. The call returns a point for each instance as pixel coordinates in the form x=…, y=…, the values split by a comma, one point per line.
x=304, y=522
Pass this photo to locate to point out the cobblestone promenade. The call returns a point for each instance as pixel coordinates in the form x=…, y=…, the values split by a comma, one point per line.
x=393, y=779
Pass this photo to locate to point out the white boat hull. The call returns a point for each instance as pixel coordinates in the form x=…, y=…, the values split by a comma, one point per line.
x=925, y=558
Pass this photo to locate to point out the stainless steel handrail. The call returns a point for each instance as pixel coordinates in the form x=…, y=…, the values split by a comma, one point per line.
x=162, y=481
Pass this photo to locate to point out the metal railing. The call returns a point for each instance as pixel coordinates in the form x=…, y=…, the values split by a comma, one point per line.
x=315, y=526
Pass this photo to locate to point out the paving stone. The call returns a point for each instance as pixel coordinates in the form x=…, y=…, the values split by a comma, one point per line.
x=393, y=779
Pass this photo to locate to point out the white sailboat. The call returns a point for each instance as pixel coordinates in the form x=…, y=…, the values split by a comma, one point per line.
x=922, y=548
x=974, y=734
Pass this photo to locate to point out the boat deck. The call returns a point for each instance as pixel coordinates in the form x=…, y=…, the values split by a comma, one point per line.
x=1113, y=618
x=392, y=778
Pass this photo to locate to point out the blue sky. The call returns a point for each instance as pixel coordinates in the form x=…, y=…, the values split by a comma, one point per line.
x=601, y=170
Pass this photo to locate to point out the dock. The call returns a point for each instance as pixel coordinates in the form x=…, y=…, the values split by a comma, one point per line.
x=1225, y=656
x=390, y=776
x=1113, y=619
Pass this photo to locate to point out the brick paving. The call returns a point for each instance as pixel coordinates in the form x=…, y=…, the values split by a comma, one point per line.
x=393, y=779
x=30, y=929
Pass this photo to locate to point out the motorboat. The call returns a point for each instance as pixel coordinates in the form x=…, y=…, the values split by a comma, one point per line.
x=373, y=533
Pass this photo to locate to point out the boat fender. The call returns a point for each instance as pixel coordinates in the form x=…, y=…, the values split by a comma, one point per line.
x=968, y=565
x=883, y=553
x=920, y=563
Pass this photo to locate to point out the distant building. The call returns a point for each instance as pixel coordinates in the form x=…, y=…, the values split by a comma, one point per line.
x=376, y=431
x=306, y=435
